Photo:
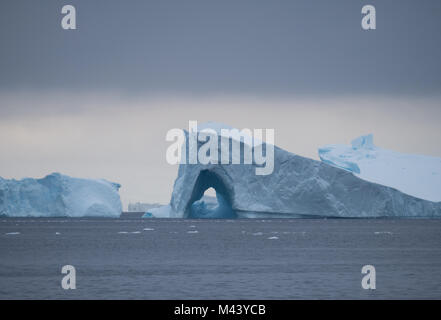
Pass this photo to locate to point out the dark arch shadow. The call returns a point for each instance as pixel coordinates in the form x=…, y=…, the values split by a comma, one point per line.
x=196, y=209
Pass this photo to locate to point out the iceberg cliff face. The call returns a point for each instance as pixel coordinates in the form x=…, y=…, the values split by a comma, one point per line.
x=57, y=195
x=416, y=175
x=298, y=187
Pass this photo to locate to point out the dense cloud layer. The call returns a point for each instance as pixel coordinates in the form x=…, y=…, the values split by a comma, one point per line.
x=228, y=46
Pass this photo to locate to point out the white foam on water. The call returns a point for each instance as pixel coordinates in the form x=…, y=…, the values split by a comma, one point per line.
x=148, y=229
x=193, y=231
x=273, y=238
x=12, y=233
x=383, y=232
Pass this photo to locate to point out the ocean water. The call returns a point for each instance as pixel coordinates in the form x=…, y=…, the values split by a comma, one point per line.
x=219, y=259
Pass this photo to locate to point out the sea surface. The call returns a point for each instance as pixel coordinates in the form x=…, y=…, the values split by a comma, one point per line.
x=133, y=258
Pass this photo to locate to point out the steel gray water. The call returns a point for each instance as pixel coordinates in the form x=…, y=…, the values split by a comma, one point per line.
x=219, y=259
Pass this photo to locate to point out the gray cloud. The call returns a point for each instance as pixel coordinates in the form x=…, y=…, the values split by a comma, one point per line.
x=223, y=47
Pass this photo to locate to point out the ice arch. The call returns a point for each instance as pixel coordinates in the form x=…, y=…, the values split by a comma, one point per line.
x=196, y=208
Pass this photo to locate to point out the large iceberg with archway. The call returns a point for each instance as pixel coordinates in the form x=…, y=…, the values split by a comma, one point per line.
x=297, y=187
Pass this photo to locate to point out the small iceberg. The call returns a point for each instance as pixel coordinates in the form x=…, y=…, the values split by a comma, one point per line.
x=147, y=215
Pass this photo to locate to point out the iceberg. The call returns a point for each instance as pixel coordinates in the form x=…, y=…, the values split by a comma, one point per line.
x=298, y=187
x=205, y=209
x=160, y=212
x=147, y=215
x=416, y=175
x=58, y=195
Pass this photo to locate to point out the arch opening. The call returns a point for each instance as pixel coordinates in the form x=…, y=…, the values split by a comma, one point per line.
x=203, y=207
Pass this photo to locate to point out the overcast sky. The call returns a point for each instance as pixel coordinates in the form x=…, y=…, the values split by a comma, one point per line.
x=223, y=46
x=98, y=101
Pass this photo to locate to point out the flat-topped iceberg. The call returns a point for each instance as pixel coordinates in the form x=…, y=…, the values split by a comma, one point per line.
x=297, y=187
x=416, y=175
x=58, y=195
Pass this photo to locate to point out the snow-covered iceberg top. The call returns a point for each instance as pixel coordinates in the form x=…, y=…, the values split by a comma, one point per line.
x=224, y=130
x=416, y=175
x=58, y=195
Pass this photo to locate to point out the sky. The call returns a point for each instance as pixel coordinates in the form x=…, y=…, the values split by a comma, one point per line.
x=97, y=101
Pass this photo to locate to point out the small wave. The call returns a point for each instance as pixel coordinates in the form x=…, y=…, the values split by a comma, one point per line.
x=148, y=229
x=273, y=238
x=12, y=233
x=193, y=231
